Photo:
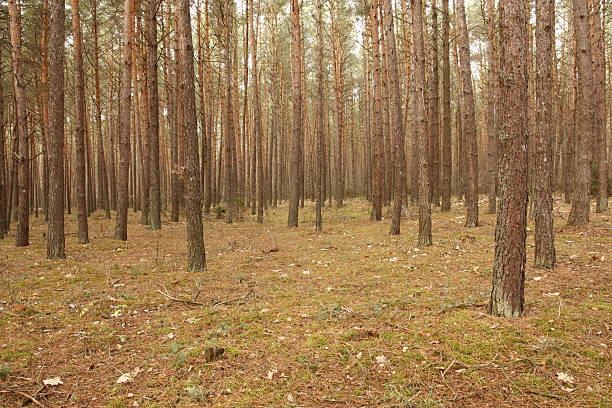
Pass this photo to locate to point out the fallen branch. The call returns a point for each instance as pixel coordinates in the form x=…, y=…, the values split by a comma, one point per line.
x=193, y=302
x=462, y=306
x=225, y=302
x=23, y=394
x=544, y=395
x=175, y=299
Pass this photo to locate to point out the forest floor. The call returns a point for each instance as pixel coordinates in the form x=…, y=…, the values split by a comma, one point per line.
x=350, y=317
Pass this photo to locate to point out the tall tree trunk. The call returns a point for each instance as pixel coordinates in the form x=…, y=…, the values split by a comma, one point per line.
x=599, y=104
x=44, y=96
x=103, y=185
x=397, y=118
x=22, y=140
x=153, y=126
x=579, y=212
x=377, y=134
x=124, y=122
x=320, y=122
x=258, y=129
x=419, y=127
x=469, y=118
x=296, y=142
x=544, y=256
x=507, y=294
x=434, y=110
x=491, y=108
x=229, y=158
x=193, y=194
x=4, y=192
x=447, y=159
x=79, y=137
x=569, y=171
x=338, y=68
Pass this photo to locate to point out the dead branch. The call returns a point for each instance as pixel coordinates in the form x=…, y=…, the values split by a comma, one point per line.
x=23, y=394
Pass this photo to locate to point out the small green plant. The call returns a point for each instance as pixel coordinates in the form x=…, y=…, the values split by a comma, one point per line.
x=196, y=393
x=5, y=371
x=219, y=210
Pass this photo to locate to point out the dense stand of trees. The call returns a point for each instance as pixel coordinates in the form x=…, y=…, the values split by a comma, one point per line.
x=181, y=108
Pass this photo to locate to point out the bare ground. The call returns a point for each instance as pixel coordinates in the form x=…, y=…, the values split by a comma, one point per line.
x=350, y=317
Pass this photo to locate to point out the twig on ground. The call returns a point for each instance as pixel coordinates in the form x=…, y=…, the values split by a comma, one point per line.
x=225, y=302
x=175, y=299
x=461, y=306
x=167, y=294
x=544, y=395
x=23, y=394
x=448, y=368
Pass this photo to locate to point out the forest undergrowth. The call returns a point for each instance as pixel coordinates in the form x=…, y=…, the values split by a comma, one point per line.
x=350, y=317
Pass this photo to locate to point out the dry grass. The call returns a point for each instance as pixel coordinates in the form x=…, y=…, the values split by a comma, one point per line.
x=349, y=317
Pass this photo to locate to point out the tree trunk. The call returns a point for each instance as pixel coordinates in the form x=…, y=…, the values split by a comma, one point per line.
x=79, y=137
x=258, y=129
x=193, y=194
x=103, y=194
x=543, y=202
x=4, y=192
x=44, y=96
x=491, y=108
x=153, y=102
x=434, y=107
x=447, y=159
x=296, y=142
x=507, y=294
x=338, y=68
x=419, y=127
x=469, y=119
x=320, y=121
x=397, y=118
x=377, y=133
x=579, y=212
x=124, y=122
x=599, y=104
x=22, y=140
x=229, y=131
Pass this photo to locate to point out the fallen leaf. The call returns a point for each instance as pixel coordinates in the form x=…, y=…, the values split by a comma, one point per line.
x=381, y=360
x=566, y=378
x=53, y=381
x=128, y=377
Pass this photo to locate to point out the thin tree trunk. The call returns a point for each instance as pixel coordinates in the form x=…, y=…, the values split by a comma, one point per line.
x=296, y=69
x=491, y=108
x=79, y=137
x=22, y=140
x=599, y=104
x=447, y=159
x=103, y=185
x=435, y=110
x=124, y=123
x=419, y=128
x=469, y=118
x=4, y=192
x=397, y=118
x=320, y=121
x=544, y=256
x=579, y=212
x=44, y=96
x=258, y=130
x=377, y=134
x=153, y=126
x=338, y=68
